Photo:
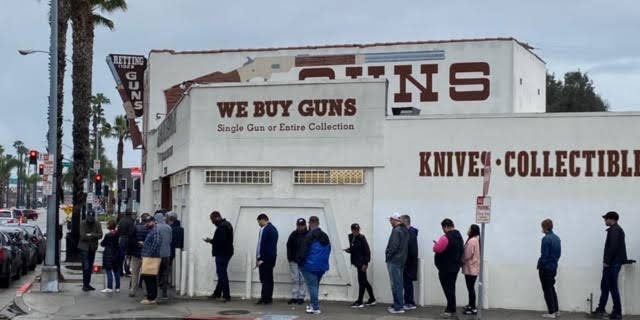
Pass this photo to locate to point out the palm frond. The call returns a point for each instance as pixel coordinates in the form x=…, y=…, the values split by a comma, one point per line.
x=99, y=20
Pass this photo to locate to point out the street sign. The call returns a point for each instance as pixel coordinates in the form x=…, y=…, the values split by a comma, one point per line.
x=48, y=167
x=96, y=165
x=47, y=187
x=483, y=209
x=66, y=164
x=45, y=156
x=89, y=197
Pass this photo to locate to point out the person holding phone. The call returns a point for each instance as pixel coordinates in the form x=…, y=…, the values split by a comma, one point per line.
x=222, y=251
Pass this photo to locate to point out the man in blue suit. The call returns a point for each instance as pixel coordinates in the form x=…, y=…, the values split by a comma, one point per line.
x=266, y=254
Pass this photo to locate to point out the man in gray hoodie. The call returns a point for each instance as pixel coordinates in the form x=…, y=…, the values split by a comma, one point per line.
x=165, y=252
x=396, y=257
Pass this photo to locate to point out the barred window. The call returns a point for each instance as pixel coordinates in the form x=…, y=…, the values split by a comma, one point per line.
x=328, y=176
x=232, y=176
x=179, y=178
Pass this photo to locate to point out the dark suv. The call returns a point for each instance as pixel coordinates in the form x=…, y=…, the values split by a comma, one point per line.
x=10, y=260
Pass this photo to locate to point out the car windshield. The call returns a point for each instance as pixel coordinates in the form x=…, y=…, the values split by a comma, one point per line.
x=5, y=214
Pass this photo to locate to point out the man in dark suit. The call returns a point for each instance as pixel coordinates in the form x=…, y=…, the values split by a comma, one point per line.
x=266, y=254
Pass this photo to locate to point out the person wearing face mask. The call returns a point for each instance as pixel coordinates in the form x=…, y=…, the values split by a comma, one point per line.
x=90, y=234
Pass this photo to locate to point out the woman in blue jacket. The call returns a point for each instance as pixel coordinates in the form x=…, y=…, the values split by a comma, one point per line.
x=314, y=259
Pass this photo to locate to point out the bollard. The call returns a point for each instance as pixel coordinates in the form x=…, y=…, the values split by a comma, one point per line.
x=192, y=272
x=177, y=270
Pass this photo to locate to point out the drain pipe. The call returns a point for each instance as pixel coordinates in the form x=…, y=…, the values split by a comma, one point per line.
x=192, y=271
x=247, y=279
x=421, y=285
x=183, y=273
x=177, y=270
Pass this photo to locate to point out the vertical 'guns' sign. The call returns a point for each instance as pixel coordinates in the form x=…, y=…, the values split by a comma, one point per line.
x=128, y=70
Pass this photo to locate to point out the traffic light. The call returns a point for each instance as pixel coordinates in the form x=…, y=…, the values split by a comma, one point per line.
x=41, y=169
x=33, y=157
x=98, y=184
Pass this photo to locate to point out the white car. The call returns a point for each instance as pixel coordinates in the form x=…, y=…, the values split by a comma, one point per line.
x=7, y=216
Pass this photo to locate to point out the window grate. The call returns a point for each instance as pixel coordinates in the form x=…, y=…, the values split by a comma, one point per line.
x=237, y=176
x=328, y=176
x=179, y=178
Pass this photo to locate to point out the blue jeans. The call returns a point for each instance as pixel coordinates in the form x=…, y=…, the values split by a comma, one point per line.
x=609, y=284
x=111, y=275
x=313, y=282
x=395, y=277
x=88, y=258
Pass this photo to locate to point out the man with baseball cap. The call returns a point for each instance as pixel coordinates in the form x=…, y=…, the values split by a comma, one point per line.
x=615, y=255
x=396, y=257
x=294, y=246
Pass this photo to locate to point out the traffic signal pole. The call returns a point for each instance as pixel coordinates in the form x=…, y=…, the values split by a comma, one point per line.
x=49, y=276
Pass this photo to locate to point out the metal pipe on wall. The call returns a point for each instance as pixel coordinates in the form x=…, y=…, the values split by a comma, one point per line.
x=183, y=273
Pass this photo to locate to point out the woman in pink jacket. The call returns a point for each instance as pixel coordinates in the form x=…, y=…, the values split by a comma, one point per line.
x=471, y=266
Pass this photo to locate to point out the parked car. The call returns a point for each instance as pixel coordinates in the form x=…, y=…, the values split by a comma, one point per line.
x=10, y=260
x=6, y=216
x=29, y=250
x=35, y=236
x=30, y=214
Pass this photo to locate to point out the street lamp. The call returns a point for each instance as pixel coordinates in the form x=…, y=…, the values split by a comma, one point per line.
x=26, y=52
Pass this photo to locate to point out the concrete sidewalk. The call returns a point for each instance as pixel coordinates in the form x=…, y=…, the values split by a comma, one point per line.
x=73, y=303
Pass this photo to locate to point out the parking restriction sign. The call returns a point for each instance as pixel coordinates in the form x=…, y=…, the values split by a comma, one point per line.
x=483, y=209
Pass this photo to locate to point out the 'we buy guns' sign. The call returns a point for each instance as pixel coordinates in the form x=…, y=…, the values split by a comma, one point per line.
x=128, y=71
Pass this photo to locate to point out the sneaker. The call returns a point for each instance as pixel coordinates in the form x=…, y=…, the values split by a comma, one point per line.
x=309, y=309
x=86, y=289
x=371, y=303
x=147, y=302
x=132, y=294
x=394, y=311
x=107, y=290
x=598, y=314
x=470, y=311
x=448, y=315
x=410, y=307
x=300, y=301
x=549, y=315
x=317, y=311
x=615, y=316
x=117, y=290
x=357, y=305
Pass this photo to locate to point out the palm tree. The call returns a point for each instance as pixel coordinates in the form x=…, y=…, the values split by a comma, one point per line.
x=84, y=19
x=7, y=164
x=64, y=14
x=21, y=151
x=31, y=182
x=120, y=131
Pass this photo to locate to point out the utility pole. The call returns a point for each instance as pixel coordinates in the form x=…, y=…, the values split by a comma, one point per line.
x=49, y=276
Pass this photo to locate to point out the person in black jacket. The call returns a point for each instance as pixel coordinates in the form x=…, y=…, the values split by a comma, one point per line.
x=111, y=257
x=411, y=266
x=126, y=232
x=448, y=259
x=360, y=258
x=222, y=251
x=266, y=254
x=615, y=255
x=135, y=253
x=294, y=245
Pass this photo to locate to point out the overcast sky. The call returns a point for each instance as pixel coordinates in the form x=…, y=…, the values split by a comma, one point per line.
x=600, y=37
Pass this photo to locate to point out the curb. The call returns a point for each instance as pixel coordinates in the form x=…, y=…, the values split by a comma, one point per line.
x=19, y=300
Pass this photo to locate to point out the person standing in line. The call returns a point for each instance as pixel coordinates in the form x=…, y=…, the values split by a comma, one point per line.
x=471, y=267
x=165, y=253
x=315, y=261
x=266, y=254
x=396, y=258
x=151, y=249
x=294, y=244
x=550, y=251
x=90, y=233
x=410, y=273
x=135, y=251
x=615, y=255
x=111, y=257
x=126, y=232
x=177, y=237
x=360, y=258
x=221, y=251
x=448, y=259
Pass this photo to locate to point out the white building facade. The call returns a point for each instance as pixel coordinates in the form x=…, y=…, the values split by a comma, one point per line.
x=294, y=132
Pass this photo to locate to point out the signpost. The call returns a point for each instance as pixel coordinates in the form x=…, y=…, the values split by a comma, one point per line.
x=96, y=165
x=483, y=216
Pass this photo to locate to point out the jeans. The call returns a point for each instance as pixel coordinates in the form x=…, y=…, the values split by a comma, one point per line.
x=222, y=287
x=313, y=282
x=163, y=275
x=408, y=291
x=609, y=284
x=363, y=284
x=471, y=288
x=448, y=283
x=151, y=282
x=395, y=277
x=298, y=286
x=88, y=258
x=266, y=278
x=136, y=264
x=113, y=274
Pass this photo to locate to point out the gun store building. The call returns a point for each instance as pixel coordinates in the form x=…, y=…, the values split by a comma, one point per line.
x=354, y=133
